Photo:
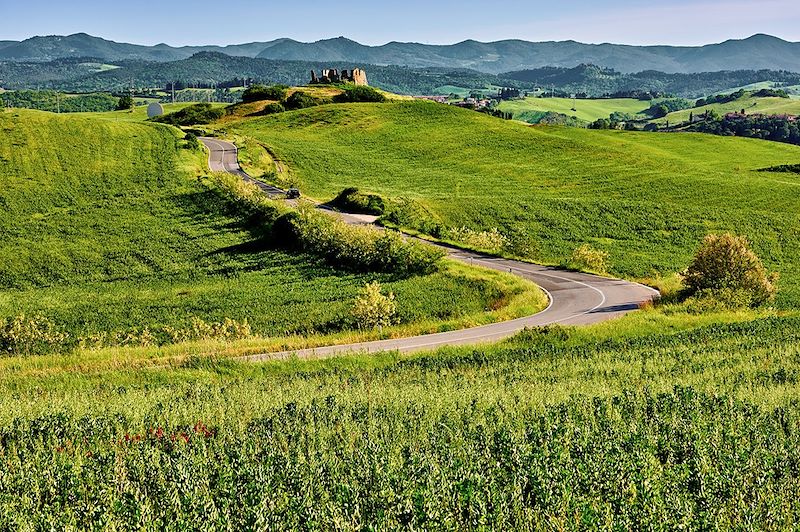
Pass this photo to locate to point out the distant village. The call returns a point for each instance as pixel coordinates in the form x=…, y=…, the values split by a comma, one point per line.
x=478, y=101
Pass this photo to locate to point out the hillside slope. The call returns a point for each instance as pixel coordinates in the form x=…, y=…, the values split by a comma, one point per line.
x=646, y=198
x=106, y=230
x=750, y=104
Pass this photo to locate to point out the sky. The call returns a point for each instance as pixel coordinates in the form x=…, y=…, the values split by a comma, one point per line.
x=677, y=22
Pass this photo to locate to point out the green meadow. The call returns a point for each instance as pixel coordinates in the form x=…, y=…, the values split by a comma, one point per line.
x=587, y=110
x=666, y=419
x=647, y=199
x=750, y=104
x=108, y=230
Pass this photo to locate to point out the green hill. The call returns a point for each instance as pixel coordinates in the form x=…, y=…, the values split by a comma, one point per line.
x=588, y=110
x=647, y=199
x=750, y=104
x=106, y=230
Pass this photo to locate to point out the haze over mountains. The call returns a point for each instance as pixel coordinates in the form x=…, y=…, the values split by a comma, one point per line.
x=756, y=52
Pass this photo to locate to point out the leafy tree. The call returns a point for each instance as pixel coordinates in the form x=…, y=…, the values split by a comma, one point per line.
x=725, y=265
x=372, y=309
x=125, y=103
x=587, y=258
x=600, y=123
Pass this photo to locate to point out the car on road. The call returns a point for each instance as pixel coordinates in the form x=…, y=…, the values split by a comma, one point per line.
x=292, y=193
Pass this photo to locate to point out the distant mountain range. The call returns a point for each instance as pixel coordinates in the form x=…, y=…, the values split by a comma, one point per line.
x=754, y=53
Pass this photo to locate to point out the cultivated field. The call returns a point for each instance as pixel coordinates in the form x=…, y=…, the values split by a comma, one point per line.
x=647, y=199
x=654, y=427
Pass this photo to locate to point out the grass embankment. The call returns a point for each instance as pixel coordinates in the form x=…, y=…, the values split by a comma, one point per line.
x=646, y=199
x=139, y=113
x=588, y=110
x=751, y=105
x=107, y=233
x=553, y=429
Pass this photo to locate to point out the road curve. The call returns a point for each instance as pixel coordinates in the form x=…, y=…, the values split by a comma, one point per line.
x=575, y=298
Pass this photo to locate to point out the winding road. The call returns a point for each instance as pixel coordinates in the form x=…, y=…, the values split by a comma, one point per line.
x=575, y=298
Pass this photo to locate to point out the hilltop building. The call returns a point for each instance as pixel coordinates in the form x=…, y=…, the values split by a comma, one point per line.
x=328, y=76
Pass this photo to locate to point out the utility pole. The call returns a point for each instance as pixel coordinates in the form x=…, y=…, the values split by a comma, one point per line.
x=58, y=103
x=173, y=92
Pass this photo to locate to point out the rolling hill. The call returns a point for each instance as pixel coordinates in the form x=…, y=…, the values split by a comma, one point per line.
x=750, y=104
x=647, y=199
x=587, y=110
x=108, y=232
x=756, y=52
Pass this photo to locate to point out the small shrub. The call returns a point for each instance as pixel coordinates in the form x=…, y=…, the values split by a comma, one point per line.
x=273, y=108
x=725, y=266
x=372, y=309
x=519, y=242
x=492, y=240
x=191, y=142
x=30, y=335
x=299, y=100
x=257, y=93
x=359, y=93
x=587, y=258
x=352, y=200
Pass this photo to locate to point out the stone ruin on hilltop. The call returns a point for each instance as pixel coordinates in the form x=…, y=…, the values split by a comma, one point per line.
x=328, y=76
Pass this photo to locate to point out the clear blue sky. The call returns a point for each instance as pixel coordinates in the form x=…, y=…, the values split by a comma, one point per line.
x=379, y=21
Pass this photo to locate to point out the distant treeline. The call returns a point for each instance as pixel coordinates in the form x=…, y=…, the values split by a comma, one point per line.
x=209, y=69
x=777, y=128
x=594, y=80
x=56, y=102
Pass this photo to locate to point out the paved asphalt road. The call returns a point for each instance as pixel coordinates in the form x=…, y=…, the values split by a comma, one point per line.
x=224, y=157
x=575, y=298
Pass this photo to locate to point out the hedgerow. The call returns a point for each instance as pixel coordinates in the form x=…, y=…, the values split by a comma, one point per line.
x=360, y=249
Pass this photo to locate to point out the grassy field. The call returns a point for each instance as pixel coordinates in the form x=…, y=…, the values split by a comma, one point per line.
x=647, y=199
x=665, y=424
x=662, y=420
x=751, y=105
x=106, y=229
x=587, y=110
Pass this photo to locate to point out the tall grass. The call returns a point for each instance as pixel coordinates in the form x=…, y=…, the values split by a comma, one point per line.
x=696, y=429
